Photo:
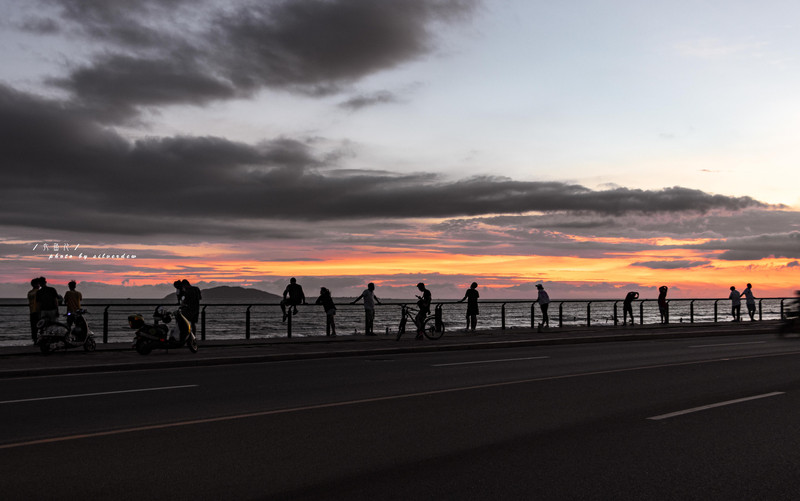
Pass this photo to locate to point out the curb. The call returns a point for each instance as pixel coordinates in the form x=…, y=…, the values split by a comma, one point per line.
x=427, y=348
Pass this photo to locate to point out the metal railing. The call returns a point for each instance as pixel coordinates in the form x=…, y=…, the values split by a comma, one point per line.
x=512, y=313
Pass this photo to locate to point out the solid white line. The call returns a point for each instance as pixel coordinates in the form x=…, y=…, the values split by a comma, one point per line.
x=79, y=395
x=489, y=361
x=712, y=406
x=726, y=344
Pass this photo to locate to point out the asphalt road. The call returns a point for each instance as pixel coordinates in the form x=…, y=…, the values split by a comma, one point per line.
x=701, y=418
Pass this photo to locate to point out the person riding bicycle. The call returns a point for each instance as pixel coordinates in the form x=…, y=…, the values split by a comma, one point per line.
x=424, y=304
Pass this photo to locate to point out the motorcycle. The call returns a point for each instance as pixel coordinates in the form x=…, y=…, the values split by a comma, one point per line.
x=160, y=334
x=59, y=336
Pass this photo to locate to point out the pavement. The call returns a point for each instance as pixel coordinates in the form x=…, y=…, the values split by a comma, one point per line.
x=27, y=361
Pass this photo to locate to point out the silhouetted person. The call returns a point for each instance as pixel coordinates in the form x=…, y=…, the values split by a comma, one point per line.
x=326, y=301
x=190, y=302
x=471, y=296
x=750, y=301
x=47, y=297
x=736, y=304
x=663, y=305
x=292, y=296
x=627, y=307
x=544, y=303
x=370, y=299
x=33, y=304
x=424, y=304
x=72, y=299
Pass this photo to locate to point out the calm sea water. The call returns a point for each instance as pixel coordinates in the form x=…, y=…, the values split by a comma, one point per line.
x=228, y=321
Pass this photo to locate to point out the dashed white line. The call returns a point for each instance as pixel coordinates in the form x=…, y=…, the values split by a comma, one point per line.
x=712, y=406
x=488, y=361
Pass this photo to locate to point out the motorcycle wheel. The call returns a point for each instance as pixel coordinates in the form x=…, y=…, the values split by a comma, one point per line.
x=143, y=347
x=89, y=345
x=192, y=343
x=44, y=345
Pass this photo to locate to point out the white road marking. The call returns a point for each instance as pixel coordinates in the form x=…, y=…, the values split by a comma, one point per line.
x=80, y=395
x=489, y=361
x=726, y=344
x=712, y=406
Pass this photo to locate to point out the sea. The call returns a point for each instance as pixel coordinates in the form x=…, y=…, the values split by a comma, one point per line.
x=228, y=320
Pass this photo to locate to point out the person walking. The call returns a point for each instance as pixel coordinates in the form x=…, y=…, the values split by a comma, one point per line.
x=544, y=303
x=370, y=299
x=736, y=304
x=72, y=299
x=750, y=301
x=326, y=301
x=33, y=305
x=663, y=305
x=471, y=296
x=292, y=296
x=627, y=307
x=424, y=305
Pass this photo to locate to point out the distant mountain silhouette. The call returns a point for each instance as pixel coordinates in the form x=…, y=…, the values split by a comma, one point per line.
x=227, y=293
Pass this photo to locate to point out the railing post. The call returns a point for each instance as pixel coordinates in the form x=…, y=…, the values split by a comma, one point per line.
x=561, y=314
x=247, y=322
x=203, y=324
x=533, y=315
x=589, y=314
x=503, y=316
x=691, y=311
x=759, y=309
x=105, y=324
x=289, y=323
x=616, y=320
x=641, y=312
x=715, y=310
x=783, y=317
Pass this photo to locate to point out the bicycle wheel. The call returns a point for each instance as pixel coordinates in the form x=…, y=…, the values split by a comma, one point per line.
x=430, y=328
x=401, y=328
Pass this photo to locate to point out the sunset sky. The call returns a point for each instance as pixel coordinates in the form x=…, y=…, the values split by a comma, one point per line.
x=593, y=146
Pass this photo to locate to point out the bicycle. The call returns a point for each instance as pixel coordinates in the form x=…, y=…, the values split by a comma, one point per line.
x=430, y=327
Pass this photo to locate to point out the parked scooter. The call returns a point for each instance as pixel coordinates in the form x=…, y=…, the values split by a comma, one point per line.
x=161, y=335
x=58, y=336
x=791, y=319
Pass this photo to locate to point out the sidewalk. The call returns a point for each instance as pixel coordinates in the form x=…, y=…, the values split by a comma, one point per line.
x=22, y=361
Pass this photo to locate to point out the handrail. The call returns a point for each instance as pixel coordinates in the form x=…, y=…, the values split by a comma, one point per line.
x=504, y=306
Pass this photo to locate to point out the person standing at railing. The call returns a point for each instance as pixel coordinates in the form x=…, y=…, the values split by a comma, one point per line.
x=34, y=308
x=424, y=305
x=627, y=307
x=471, y=296
x=544, y=303
x=190, y=303
x=663, y=305
x=72, y=299
x=750, y=301
x=47, y=298
x=736, y=304
x=370, y=299
x=326, y=301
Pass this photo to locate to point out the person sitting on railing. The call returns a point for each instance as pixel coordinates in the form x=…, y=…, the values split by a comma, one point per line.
x=292, y=296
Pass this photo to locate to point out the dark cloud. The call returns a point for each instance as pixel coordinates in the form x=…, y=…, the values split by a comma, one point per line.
x=160, y=52
x=365, y=100
x=755, y=247
x=671, y=265
x=86, y=177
